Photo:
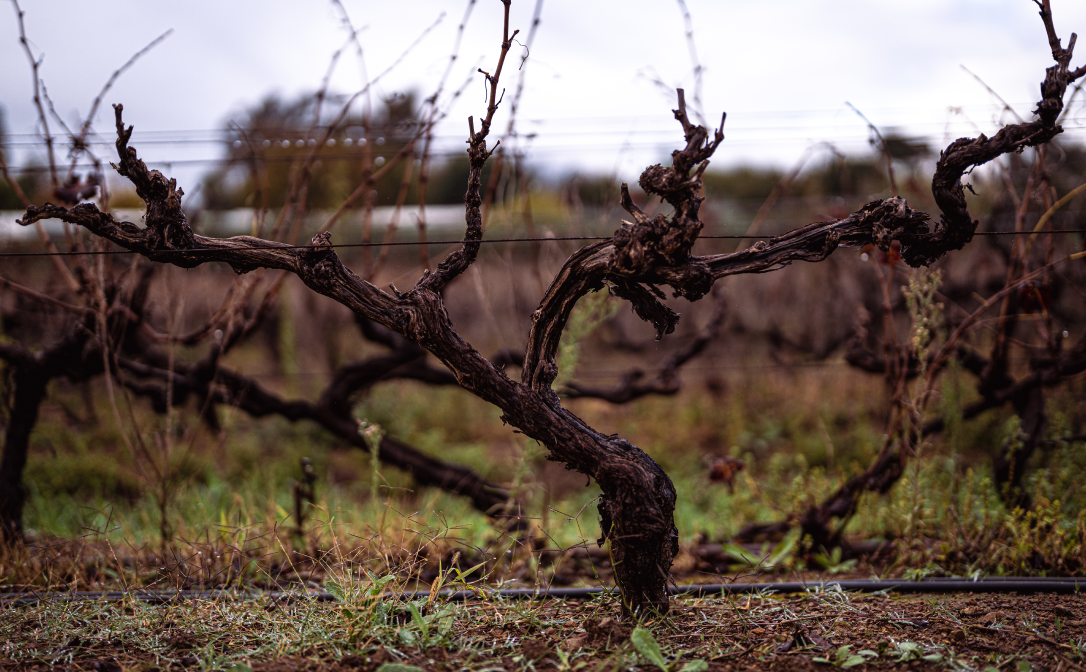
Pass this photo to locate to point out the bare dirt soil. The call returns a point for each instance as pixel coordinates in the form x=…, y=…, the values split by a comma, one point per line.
x=760, y=632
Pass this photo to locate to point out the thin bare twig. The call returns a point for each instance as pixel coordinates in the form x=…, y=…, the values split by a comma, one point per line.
x=998, y=97
x=79, y=141
x=498, y=168
x=458, y=261
x=304, y=171
x=35, y=63
x=883, y=147
x=951, y=342
x=695, y=62
x=44, y=298
x=424, y=168
x=778, y=190
x=393, y=224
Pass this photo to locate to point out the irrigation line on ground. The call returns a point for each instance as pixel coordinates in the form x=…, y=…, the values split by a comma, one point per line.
x=1008, y=584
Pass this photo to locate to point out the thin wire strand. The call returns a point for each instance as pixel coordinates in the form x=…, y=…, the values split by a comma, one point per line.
x=448, y=242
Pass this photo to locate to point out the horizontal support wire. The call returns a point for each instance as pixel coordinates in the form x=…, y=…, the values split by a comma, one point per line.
x=81, y=253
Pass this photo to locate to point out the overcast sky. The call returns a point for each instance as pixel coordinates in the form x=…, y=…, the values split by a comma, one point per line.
x=782, y=69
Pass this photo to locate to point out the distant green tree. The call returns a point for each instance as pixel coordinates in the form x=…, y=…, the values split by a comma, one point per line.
x=448, y=178
x=593, y=190
x=741, y=183
x=277, y=135
x=27, y=180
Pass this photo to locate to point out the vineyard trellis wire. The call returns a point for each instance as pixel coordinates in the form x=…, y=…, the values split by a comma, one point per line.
x=549, y=239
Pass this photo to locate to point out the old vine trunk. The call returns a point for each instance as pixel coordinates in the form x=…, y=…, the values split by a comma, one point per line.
x=638, y=503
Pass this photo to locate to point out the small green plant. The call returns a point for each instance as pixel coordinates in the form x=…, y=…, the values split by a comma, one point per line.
x=845, y=658
x=565, y=661
x=365, y=607
x=918, y=573
x=460, y=582
x=780, y=556
x=907, y=651
x=430, y=629
x=1078, y=649
x=589, y=313
x=373, y=434
x=648, y=647
x=833, y=563
x=927, y=319
x=368, y=610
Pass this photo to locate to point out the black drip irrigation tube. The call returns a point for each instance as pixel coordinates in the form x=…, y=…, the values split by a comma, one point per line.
x=1009, y=584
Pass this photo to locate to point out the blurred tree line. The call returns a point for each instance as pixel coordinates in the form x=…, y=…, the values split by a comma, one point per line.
x=839, y=175
x=858, y=179
x=277, y=134
x=27, y=179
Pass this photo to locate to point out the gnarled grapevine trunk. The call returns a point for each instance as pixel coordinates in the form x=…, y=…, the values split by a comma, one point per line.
x=638, y=503
x=29, y=391
x=31, y=374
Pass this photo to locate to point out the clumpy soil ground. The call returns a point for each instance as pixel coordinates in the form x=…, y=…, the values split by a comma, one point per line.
x=759, y=632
